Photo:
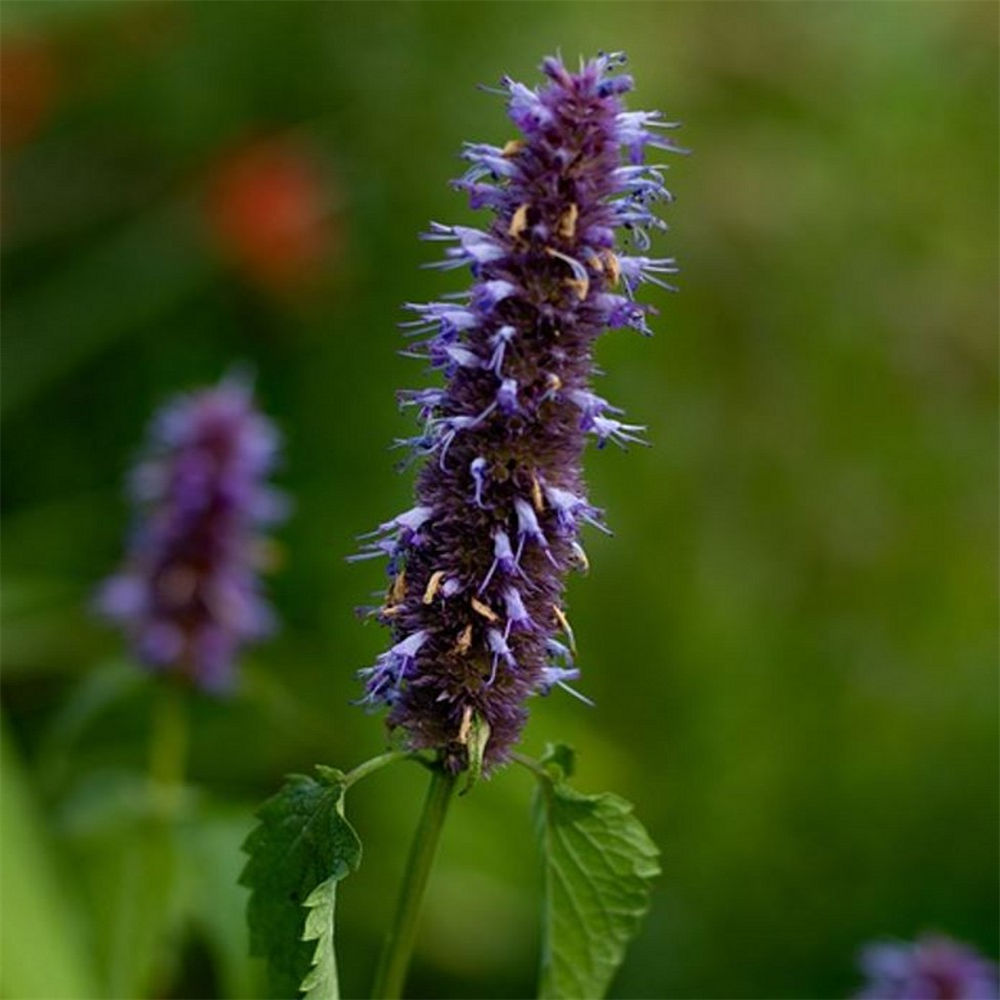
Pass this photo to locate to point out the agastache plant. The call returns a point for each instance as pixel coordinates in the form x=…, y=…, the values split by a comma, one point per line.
x=932, y=968
x=477, y=566
x=188, y=596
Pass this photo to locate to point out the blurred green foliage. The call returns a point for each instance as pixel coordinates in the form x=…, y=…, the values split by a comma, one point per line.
x=791, y=641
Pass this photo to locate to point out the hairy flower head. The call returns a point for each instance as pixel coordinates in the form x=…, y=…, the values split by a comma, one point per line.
x=188, y=595
x=478, y=565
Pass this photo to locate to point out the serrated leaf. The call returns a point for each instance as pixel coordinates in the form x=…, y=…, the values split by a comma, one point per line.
x=302, y=840
x=321, y=983
x=561, y=757
x=599, y=864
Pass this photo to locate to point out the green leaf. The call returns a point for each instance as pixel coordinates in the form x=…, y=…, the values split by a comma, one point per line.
x=301, y=842
x=599, y=864
x=321, y=983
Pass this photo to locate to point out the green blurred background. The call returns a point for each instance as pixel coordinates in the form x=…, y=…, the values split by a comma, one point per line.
x=792, y=638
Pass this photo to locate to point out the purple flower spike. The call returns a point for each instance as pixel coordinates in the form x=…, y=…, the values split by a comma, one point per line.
x=188, y=595
x=933, y=968
x=501, y=496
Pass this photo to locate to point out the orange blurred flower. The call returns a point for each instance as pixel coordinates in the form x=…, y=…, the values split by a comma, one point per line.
x=29, y=83
x=270, y=211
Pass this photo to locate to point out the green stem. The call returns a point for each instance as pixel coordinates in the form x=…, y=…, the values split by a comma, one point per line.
x=532, y=765
x=376, y=764
x=391, y=975
x=168, y=743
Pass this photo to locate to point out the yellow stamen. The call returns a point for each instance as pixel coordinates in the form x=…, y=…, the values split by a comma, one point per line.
x=465, y=726
x=536, y=494
x=464, y=640
x=485, y=610
x=518, y=221
x=566, y=227
x=614, y=268
x=565, y=626
x=433, y=584
x=512, y=147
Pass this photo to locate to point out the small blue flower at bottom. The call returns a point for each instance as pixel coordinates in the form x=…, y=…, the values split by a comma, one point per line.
x=932, y=968
x=188, y=595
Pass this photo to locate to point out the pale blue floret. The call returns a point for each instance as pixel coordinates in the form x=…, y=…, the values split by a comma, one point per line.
x=507, y=396
x=499, y=342
x=592, y=419
x=525, y=106
x=570, y=509
x=455, y=354
x=447, y=428
x=632, y=129
x=528, y=527
x=635, y=270
x=408, y=523
x=399, y=532
x=475, y=246
x=450, y=319
x=557, y=677
x=643, y=179
x=477, y=469
x=481, y=195
x=427, y=399
x=620, y=311
x=517, y=614
x=391, y=668
x=634, y=216
x=501, y=651
x=607, y=429
x=486, y=159
x=503, y=558
x=591, y=405
x=487, y=294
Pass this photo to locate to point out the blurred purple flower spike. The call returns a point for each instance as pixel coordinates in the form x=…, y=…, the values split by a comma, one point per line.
x=932, y=968
x=188, y=595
